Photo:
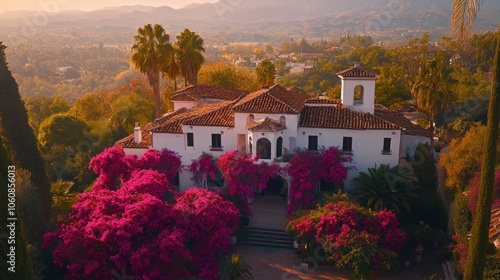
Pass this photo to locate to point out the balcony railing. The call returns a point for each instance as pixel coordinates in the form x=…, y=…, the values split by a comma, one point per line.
x=386, y=152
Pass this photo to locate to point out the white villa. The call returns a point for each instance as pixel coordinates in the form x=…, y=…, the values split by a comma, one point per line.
x=272, y=121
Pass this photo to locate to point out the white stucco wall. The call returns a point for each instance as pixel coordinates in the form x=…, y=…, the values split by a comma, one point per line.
x=347, y=94
x=409, y=144
x=367, y=146
x=184, y=104
x=134, y=152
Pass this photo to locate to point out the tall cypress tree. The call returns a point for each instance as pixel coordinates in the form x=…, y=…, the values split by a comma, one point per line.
x=19, y=139
x=23, y=269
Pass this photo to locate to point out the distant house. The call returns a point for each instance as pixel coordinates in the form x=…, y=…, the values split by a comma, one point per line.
x=272, y=121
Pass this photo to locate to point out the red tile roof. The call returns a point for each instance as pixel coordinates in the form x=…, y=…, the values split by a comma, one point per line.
x=273, y=100
x=128, y=142
x=343, y=118
x=494, y=230
x=400, y=120
x=357, y=72
x=323, y=101
x=196, y=92
x=266, y=125
x=207, y=114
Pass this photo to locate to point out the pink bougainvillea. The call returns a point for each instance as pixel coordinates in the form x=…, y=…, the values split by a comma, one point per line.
x=307, y=168
x=164, y=161
x=115, y=168
x=244, y=177
x=208, y=234
x=473, y=191
x=112, y=166
x=352, y=235
x=143, y=229
x=204, y=167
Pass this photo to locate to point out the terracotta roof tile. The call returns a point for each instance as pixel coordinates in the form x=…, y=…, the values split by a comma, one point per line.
x=494, y=230
x=401, y=121
x=128, y=142
x=357, y=72
x=273, y=100
x=331, y=117
x=266, y=125
x=208, y=114
x=196, y=92
x=323, y=101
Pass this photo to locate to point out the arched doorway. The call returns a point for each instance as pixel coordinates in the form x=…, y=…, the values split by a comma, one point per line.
x=264, y=148
x=276, y=187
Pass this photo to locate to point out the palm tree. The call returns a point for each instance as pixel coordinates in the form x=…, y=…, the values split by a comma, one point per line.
x=150, y=54
x=384, y=188
x=266, y=72
x=189, y=47
x=464, y=12
x=171, y=68
x=235, y=268
x=431, y=89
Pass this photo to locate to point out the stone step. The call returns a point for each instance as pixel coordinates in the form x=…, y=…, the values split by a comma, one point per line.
x=264, y=237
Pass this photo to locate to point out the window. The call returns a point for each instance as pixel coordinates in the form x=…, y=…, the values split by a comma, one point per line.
x=313, y=143
x=279, y=147
x=387, y=146
x=250, y=119
x=264, y=148
x=283, y=120
x=347, y=145
x=216, y=142
x=190, y=139
x=358, y=94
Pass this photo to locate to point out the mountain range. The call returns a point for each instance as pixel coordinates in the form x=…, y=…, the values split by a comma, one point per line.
x=278, y=17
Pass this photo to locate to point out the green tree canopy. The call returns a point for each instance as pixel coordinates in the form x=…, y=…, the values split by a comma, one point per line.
x=266, y=72
x=228, y=76
x=150, y=55
x=189, y=48
x=62, y=129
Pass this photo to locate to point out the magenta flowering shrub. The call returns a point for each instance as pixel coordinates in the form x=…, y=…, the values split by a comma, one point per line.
x=351, y=235
x=166, y=162
x=473, y=191
x=334, y=165
x=209, y=235
x=112, y=166
x=149, y=182
x=308, y=168
x=204, y=167
x=135, y=229
x=115, y=168
x=244, y=177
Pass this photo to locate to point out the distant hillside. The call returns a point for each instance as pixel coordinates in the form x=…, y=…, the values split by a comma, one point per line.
x=279, y=17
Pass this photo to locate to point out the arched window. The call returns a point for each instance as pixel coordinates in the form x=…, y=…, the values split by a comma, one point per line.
x=264, y=148
x=279, y=147
x=283, y=120
x=250, y=119
x=358, y=94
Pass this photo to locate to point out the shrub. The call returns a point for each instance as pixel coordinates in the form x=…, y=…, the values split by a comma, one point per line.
x=351, y=235
x=462, y=219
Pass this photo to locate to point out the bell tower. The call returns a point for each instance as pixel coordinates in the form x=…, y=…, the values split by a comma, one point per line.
x=358, y=89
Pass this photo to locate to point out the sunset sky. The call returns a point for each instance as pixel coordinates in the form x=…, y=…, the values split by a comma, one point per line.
x=9, y=5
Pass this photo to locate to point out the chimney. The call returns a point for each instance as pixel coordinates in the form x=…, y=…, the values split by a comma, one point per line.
x=265, y=86
x=137, y=133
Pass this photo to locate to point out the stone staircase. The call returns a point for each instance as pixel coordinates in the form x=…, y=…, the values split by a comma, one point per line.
x=264, y=237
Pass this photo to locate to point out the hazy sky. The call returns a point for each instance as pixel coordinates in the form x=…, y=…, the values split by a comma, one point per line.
x=11, y=5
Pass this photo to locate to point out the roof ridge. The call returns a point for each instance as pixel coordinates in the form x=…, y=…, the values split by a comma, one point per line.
x=280, y=101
